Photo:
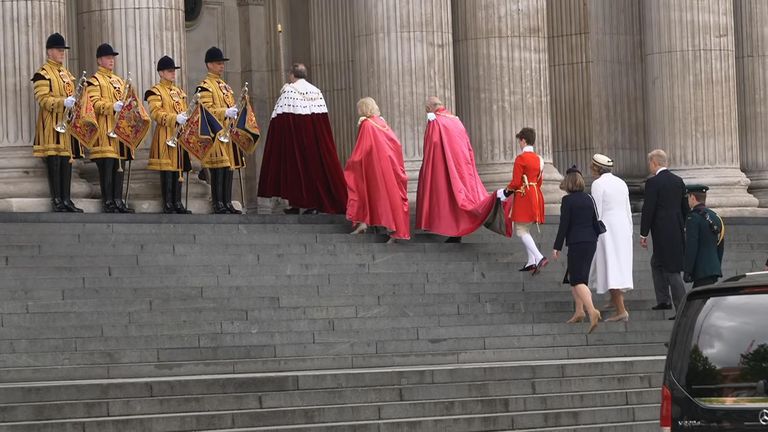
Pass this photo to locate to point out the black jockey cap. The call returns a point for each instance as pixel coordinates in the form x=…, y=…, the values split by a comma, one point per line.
x=214, y=55
x=573, y=169
x=105, y=49
x=56, y=40
x=166, y=63
x=696, y=188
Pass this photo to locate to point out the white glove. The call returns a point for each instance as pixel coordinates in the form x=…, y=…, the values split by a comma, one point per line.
x=431, y=116
x=181, y=118
x=118, y=106
x=231, y=113
x=500, y=195
x=69, y=102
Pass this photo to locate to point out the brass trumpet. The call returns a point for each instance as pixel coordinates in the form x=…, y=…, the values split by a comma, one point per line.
x=190, y=109
x=128, y=84
x=241, y=104
x=69, y=113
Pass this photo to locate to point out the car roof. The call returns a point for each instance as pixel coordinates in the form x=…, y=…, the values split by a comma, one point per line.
x=734, y=284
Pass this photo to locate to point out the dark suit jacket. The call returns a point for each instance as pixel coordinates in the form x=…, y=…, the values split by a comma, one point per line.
x=703, y=248
x=577, y=220
x=664, y=212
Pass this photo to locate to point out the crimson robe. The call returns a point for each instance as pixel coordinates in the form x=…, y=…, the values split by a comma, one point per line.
x=376, y=180
x=451, y=199
x=300, y=161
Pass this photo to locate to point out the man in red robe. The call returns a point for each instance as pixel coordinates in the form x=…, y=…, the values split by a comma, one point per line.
x=451, y=199
x=528, y=204
x=300, y=162
x=375, y=174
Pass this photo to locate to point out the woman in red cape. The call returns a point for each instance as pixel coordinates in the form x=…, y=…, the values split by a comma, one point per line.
x=375, y=174
x=451, y=199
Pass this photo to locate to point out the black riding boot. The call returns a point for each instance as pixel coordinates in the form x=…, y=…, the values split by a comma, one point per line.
x=106, y=166
x=217, y=190
x=228, y=177
x=66, y=185
x=54, y=183
x=177, y=203
x=118, y=188
x=166, y=191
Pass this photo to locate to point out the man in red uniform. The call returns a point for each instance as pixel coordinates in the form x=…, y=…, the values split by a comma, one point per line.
x=528, y=205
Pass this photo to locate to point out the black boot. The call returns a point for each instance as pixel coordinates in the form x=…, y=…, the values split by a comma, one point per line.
x=66, y=185
x=54, y=182
x=217, y=190
x=118, y=188
x=166, y=191
x=228, y=177
x=178, y=205
x=106, y=166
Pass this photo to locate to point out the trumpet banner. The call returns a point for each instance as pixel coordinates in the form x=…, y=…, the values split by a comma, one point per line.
x=132, y=121
x=245, y=133
x=199, y=133
x=84, y=125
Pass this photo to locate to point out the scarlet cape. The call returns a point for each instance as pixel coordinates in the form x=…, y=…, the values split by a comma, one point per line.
x=451, y=199
x=376, y=179
x=300, y=162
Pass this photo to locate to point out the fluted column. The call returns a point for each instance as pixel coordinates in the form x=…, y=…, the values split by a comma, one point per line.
x=331, y=28
x=502, y=85
x=142, y=31
x=690, y=85
x=752, y=84
x=403, y=54
x=26, y=25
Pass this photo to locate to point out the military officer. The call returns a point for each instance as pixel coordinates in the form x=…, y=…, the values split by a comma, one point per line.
x=106, y=90
x=54, y=89
x=167, y=107
x=217, y=97
x=704, y=240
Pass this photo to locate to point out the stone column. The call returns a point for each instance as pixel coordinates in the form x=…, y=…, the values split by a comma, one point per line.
x=690, y=85
x=23, y=179
x=403, y=54
x=141, y=32
x=752, y=84
x=502, y=85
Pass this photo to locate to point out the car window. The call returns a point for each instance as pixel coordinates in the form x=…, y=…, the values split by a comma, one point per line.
x=728, y=357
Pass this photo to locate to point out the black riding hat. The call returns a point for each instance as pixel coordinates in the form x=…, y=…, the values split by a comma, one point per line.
x=166, y=63
x=56, y=40
x=105, y=49
x=214, y=55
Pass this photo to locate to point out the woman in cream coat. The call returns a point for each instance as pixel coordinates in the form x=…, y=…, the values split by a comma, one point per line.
x=612, y=265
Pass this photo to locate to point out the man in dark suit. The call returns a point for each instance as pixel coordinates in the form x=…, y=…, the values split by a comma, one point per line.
x=704, y=240
x=664, y=211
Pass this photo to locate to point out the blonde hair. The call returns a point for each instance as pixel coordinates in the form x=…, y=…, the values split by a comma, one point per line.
x=659, y=156
x=367, y=107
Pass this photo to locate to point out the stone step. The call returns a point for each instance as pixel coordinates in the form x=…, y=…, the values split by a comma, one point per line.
x=638, y=426
x=340, y=418
x=416, y=382
x=386, y=399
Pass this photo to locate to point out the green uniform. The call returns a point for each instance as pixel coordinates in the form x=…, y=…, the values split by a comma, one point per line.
x=704, y=244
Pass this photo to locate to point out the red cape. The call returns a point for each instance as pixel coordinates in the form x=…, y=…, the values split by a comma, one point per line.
x=301, y=165
x=451, y=199
x=376, y=180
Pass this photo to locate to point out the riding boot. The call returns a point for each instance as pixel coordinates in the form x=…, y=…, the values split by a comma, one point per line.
x=228, y=176
x=117, y=185
x=178, y=205
x=106, y=166
x=66, y=185
x=217, y=190
x=167, y=192
x=54, y=172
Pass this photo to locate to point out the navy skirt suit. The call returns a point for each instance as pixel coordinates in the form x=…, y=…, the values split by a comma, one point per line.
x=577, y=230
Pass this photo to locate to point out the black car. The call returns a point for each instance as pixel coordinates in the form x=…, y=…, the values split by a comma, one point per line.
x=716, y=374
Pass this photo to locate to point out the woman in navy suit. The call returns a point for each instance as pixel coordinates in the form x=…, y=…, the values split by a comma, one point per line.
x=577, y=229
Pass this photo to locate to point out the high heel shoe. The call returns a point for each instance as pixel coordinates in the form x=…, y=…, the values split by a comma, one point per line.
x=593, y=320
x=620, y=317
x=361, y=228
x=575, y=319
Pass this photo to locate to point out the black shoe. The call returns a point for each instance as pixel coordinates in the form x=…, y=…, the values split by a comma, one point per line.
x=291, y=210
x=662, y=306
x=542, y=263
x=672, y=318
x=72, y=208
x=529, y=267
x=231, y=208
x=110, y=207
x=311, y=212
x=58, y=206
x=122, y=208
x=227, y=197
x=453, y=240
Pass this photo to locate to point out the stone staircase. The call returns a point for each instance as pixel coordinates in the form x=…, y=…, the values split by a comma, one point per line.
x=267, y=322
